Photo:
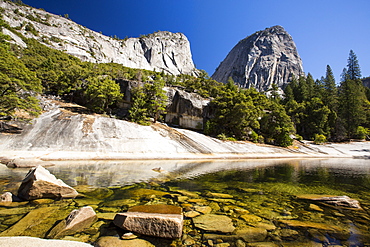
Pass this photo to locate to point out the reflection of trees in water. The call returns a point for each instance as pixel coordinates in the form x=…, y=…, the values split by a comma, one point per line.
x=279, y=173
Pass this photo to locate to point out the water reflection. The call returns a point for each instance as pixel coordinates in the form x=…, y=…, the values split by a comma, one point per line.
x=352, y=172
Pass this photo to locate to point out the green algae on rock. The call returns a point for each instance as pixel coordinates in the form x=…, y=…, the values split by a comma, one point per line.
x=37, y=222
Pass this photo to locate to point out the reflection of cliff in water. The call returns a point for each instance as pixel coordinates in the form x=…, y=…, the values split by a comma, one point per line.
x=111, y=173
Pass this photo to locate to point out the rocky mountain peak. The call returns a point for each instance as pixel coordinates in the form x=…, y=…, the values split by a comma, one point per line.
x=161, y=51
x=263, y=58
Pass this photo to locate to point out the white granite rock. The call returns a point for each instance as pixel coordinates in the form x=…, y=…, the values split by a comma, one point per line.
x=77, y=221
x=164, y=221
x=40, y=183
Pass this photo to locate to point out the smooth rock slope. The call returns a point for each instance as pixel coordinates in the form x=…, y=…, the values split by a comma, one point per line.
x=265, y=57
x=62, y=134
x=160, y=51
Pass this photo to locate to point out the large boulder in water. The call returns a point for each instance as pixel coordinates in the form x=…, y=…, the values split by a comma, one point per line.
x=77, y=221
x=40, y=183
x=164, y=221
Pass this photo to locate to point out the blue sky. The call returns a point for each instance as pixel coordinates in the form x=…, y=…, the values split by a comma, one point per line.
x=324, y=30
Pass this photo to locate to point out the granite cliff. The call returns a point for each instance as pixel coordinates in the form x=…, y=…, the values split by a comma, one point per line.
x=160, y=51
x=266, y=57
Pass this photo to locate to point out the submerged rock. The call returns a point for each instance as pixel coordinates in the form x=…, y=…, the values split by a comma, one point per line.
x=298, y=224
x=214, y=223
x=76, y=221
x=252, y=234
x=116, y=242
x=341, y=201
x=40, y=183
x=164, y=221
x=37, y=222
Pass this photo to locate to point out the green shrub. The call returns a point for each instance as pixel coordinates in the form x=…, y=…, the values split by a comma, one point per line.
x=319, y=139
x=361, y=132
x=253, y=136
x=298, y=137
x=30, y=28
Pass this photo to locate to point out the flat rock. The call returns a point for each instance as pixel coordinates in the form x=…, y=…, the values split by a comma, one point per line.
x=219, y=195
x=214, y=223
x=297, y=224
x=77, y=221
x=188, y=193
x=106, y=216
x=116, y=242
x=252, y=234
x=250, y=218
x=223, y=200
x=32, y=242
x=191, y=214
x=154, y=220
x=203, y=209
x=40, y=183
x=267, y=226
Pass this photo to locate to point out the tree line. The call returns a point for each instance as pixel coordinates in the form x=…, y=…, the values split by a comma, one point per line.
x=316, y=110
x=322, y=109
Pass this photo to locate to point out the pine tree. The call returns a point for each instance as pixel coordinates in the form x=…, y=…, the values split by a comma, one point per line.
x=310, y=82
x=352, y=97
x=330, y=95
x=353, y=67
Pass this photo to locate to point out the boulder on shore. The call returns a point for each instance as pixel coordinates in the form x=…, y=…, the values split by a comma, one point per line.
x=77, y=221
x=40, y=183
x=164, y=221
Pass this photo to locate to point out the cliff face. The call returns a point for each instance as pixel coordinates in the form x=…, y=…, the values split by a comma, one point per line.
x=161, y=51
x=266, y=57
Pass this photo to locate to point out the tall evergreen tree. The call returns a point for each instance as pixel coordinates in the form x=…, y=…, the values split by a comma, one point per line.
x=330, y=95
x=310, y=82
x=353, y=67
x=352, y=97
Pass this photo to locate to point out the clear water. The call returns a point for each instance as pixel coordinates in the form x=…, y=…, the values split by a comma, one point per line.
x=267, y=189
